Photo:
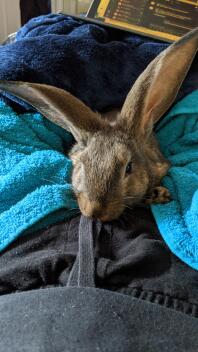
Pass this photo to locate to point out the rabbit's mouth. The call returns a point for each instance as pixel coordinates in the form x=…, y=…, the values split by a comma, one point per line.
x=96, y=210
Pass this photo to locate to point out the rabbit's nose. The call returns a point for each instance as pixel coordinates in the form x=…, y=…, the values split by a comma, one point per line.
x=97, y=212
x=92, y=209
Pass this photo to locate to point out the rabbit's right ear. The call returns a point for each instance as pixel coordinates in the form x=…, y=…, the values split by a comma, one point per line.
x=156, y=88
x=58, y=106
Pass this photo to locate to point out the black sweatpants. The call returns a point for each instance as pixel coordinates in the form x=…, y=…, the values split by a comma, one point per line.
x=145, y=298
x=130, y=257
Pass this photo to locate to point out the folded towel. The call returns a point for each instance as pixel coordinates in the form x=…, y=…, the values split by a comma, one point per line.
x=178, y=220
x=35, y=186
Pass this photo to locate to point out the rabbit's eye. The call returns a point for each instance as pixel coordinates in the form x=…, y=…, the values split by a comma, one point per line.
x=128, y=168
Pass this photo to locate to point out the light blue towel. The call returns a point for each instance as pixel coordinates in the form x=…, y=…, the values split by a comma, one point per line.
x=178, y=220
x=35, y=186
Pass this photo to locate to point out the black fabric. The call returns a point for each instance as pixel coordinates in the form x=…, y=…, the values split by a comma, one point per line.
x=89, y=320
x=130, y=257
x=158, y=311
x=33, y=8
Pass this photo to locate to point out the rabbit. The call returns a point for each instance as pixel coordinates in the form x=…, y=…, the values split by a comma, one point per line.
x=117, y=162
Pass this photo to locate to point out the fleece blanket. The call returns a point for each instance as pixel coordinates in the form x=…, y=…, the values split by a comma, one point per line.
x=178, y=220
x=96, y=64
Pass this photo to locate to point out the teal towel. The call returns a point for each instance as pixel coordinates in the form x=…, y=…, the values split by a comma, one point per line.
x=178, y=220
x=35, y=185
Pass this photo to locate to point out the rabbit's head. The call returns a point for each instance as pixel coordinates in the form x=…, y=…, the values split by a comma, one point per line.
x=110, y=172
x=116, y=163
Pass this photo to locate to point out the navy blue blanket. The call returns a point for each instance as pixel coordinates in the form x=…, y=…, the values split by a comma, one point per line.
x=96, y=64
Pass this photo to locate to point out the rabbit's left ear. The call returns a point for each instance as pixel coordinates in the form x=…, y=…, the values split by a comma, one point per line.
x=156, y=88
x=58, y=106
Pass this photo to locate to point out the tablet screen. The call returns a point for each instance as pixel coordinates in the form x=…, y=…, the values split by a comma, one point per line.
x=164, y=19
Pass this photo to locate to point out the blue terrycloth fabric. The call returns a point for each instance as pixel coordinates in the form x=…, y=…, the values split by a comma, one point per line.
x=35, y=186
x=178, y=220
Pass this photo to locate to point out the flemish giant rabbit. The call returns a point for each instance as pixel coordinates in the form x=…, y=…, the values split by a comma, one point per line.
x=117, y=162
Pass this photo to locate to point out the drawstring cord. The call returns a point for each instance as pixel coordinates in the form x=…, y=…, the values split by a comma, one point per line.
x=83, y=271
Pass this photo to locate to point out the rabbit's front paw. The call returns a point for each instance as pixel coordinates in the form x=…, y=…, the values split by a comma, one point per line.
x=159, y=195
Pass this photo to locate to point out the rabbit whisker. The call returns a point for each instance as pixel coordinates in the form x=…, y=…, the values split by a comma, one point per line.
x=137, y=198
x=53, y=182
x=73, y=211
x=58, y=178
x=126, y=206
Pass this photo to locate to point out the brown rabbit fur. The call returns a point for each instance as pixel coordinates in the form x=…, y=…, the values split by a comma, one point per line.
x=116, y=161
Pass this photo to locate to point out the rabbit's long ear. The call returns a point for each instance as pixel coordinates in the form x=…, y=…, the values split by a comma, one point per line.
x=156, y=88
x=58, y=106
